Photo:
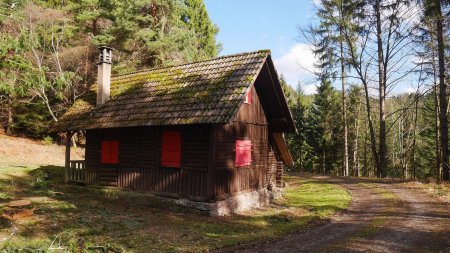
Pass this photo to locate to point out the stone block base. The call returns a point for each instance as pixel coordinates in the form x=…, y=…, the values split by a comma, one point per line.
x=236, y=204
x=276, y=193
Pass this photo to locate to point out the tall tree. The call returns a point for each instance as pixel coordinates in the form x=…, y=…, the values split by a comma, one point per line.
x=382, y=148
x=433, y=10
x=55, y=41
x=426, y=52
x=300, y=148
x=197, y=20
x=354, y=108
x=334, y=18
x=325, y=125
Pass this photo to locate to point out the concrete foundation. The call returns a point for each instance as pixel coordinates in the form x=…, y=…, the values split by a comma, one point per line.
x=276, y=193
x=235, y=204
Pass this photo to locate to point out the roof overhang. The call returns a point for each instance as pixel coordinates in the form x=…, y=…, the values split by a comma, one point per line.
x=282, y=148
x=273, y=99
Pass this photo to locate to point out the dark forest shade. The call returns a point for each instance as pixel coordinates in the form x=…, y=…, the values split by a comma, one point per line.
x=241, y=150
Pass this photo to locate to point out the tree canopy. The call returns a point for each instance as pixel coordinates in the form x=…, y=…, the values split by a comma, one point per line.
x=48, y=49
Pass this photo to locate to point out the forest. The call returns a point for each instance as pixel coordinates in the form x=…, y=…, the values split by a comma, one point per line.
x=48, y=50
x=369, y=49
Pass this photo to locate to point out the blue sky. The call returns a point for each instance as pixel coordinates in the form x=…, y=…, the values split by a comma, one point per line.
x=249, y=25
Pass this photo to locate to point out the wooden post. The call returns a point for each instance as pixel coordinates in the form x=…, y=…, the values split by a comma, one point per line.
x=211, y=162
x=67, y=163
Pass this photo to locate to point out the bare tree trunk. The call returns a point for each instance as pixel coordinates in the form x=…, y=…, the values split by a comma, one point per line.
x=402, y=150
x=382, y=148
x=365, y=148
x=436, y=114
x=300, y=160
x=442, y=96
x=371, y=129
x=413, y=149
x=10, y=116
x=344, y=111
x=324, y=157
x=67, y=157
x=357, y=65
x=94, y=27
x=394, y=141
x=356, y=166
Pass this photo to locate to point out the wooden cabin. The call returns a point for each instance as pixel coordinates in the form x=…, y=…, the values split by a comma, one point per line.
x=208, y=133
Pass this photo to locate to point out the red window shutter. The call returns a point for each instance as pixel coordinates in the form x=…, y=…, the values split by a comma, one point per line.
x=110, y=152
x=171, y=149
x=243, y=153
x=248, y=152
x=105, y=152
x=248, y=97
x=114, y=152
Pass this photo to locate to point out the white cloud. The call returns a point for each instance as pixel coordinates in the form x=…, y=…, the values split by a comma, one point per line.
x=404, y=89
x=309, y=89
x=296, y=65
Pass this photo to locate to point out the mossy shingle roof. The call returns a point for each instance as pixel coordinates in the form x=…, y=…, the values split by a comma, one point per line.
x=209, y=91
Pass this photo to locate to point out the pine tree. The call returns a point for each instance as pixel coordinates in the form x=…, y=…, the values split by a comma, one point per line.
x=12, y=65
x=433, y=10
x=197, y=20
x=335, y=17
x=56, y=46
x=324, y=122
x=355, y=113
x=300, y=149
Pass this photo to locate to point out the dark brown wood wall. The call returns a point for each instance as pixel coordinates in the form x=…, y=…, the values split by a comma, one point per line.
x=250, y=123
x=139, y=153
x=139, y=167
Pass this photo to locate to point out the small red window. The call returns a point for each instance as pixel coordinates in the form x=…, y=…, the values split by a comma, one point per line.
x=110, y=152
x=243, y=153
x=248, y=97
x=171, y=149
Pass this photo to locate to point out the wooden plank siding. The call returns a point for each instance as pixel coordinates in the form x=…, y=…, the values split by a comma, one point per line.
x=139, y=153
x=208, y=170
x=250, y=123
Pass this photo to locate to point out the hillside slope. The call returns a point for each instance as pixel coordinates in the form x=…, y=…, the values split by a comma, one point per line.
x=22, y=151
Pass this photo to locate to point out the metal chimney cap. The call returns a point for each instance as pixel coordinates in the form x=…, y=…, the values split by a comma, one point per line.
x=106, y=47
x=105, y=55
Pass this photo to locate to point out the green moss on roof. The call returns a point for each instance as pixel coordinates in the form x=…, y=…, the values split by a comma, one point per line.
x=202, y=92
x=264, y=51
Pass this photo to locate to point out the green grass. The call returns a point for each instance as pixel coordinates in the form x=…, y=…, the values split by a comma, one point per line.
x=87, y=219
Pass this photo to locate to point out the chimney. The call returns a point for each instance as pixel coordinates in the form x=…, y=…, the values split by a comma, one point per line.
x=104, y=75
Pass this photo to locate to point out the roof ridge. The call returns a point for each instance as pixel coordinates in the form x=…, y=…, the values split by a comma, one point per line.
x=266, y=51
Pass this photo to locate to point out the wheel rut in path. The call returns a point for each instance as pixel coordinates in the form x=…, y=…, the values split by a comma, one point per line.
x=383, y=216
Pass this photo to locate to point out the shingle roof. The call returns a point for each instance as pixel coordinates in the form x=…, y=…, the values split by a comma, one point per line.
x=209, y=91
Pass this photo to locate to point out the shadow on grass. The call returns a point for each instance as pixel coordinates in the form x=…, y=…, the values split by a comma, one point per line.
x=104, y=219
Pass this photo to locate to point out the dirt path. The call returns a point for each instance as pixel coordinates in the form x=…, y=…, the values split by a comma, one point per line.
x=383, y=217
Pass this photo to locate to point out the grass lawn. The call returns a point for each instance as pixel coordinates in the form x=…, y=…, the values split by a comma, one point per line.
x=85, y=219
